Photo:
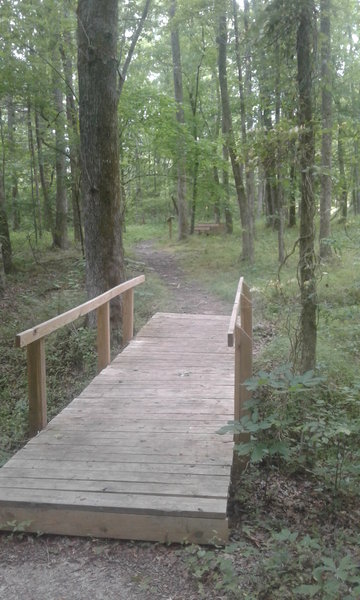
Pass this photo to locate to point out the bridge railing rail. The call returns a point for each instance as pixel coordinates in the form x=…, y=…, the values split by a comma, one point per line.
x=34, y=341
x=240, y=335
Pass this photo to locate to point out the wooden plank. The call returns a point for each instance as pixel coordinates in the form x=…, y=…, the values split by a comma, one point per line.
x=214, y=508
x=77, y=473
x=113, y=525
x=130, y=456
x=139, y=443
x=210, y=489
x=36, y=371
x=128, y=316
x=112, y=469
x=195, y=392
x=97, y=437
x=43, y=329
x=193, y=450
x=103, y=336
x=190, y=317
x=148, y=426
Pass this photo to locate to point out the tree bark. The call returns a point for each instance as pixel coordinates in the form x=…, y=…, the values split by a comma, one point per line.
x=48, y=216
x=227, y=128
x=342, y=173
x=246, y=117
x=292, y=197
x=72, y=121
x=279, y=192
x=100, y=183
x=5, y=243
x=34, y=177
x=12, y=156
x=61, y=206
x=307, y=260
x=326, y=138
x=181, y=158
x=194, y=97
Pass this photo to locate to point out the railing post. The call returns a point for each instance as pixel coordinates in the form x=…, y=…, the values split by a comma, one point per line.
x=103, y=336
x=128, y=316
x=243, y=371
x=243, y=359
x=36, y=386
x=246, y=310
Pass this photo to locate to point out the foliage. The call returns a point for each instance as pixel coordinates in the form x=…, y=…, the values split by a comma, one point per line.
x=303, y=426
x=286, y=565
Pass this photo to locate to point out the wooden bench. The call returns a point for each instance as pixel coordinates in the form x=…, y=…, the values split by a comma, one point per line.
x=208, y=228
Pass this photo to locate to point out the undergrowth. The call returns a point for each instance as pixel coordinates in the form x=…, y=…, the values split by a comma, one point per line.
x=295, y=510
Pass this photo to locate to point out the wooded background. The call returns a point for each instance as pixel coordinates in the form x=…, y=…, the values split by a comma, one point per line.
x=139, y=111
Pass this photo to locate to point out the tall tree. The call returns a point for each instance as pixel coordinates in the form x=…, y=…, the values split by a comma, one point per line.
x=61, y=204
x=5, y=242
x=72, y=127
x=13, y=158
x=326, y=136
x=98, y=102
x=307, y=259
x=227, y=128
x=178, y=91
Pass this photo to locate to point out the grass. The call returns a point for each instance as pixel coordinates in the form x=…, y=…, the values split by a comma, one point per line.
x=215, y=261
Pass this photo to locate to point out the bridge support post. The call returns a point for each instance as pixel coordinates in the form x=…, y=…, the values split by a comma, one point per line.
x=128, y=316
x=37, y=386
x=103, y=336
x=243, y=369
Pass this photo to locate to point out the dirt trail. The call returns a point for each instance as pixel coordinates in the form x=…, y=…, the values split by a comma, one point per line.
x=186, y=296
x=60, y=568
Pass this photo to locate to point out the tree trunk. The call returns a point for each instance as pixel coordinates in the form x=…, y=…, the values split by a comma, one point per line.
x=326, y=139
x=12, y=158
x=217, y=195
x=269, y=168
x=100, y=182
x=48, y=216
x=292, y=199
x=138, y=190
x=226, y=187
x=307, y=260
x=5, y=242
x=247, y=239
x=72, y=121
x=342, y=173
x=194, y=104
x=181, y=158
x=4, y=231
x=60, y=232
x=34, y=178
x=246, y=119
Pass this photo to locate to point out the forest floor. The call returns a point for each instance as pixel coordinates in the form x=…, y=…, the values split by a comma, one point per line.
x=61, y=568
x=282, y=527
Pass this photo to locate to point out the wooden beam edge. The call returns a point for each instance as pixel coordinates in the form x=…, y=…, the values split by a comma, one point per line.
x=34, y=333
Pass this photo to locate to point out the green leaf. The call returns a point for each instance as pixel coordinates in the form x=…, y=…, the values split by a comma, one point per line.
x=307, y=589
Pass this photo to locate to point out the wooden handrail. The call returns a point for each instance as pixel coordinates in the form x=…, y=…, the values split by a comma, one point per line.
x=235, y=313
x=34, y=339
x=240, y=336
x=39, y=331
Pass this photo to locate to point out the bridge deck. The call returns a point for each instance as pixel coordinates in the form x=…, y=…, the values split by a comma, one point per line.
x=136, y=455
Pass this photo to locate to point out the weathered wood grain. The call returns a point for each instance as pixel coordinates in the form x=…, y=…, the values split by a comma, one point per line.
x=136, y=455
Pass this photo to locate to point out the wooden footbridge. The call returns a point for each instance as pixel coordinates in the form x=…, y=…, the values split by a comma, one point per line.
x=136, y=455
